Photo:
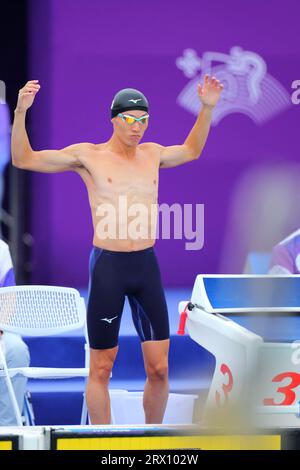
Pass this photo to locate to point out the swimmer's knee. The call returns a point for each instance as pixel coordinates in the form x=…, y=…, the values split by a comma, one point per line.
x=101, y=373
x=157, y=372
x=101, y=364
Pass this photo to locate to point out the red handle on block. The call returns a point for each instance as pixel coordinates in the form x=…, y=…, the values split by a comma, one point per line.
x=183, y=317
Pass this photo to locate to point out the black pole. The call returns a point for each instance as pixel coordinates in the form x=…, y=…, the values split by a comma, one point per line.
x=13, y=72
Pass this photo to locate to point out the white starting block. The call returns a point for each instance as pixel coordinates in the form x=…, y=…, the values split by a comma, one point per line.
x=249, y=367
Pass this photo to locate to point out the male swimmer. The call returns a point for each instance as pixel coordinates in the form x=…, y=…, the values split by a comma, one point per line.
x=121, y=264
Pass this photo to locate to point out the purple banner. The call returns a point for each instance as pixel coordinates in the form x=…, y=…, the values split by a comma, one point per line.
x=83, y=52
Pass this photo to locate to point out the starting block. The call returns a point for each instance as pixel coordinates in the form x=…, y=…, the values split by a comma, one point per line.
x=245, y=322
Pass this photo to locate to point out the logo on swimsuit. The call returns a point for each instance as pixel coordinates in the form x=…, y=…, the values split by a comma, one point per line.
x=135, y=101
x=248, y=88
x=108, y=320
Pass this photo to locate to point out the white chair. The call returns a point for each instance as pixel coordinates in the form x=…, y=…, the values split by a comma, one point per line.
x=41, y=311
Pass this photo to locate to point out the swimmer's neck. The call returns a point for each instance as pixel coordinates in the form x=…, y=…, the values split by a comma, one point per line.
x=116, y=145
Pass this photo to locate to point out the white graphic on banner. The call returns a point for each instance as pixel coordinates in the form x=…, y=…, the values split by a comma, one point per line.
x=248, y=88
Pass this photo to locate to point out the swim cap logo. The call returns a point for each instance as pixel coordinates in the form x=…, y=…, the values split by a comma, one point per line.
x=248, y=88
x=135, y=101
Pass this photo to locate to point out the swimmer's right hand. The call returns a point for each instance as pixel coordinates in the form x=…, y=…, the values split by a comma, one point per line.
x=27, y=95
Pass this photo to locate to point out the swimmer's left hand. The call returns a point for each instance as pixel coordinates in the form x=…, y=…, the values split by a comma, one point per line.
x=210, y=92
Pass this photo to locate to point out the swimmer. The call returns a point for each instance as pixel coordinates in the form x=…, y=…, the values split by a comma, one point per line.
x=121, y=264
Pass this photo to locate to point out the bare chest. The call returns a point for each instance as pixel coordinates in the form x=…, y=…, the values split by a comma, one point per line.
x=108, y=177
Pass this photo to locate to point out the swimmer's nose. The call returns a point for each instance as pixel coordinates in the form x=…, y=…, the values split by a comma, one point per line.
x=136, y=126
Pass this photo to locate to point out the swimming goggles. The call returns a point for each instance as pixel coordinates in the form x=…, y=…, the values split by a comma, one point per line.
x=131, y=119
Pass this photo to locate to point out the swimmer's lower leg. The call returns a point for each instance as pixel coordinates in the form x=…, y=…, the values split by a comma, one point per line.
x=98, y=402
x=157, y=386
x=156, y=394
x=97, y=394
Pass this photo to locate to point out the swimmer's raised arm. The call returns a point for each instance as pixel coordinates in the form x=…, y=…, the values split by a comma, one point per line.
x=23, y=156
x=174, y=155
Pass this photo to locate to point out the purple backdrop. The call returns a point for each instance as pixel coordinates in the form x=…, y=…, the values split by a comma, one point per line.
x=84, y=51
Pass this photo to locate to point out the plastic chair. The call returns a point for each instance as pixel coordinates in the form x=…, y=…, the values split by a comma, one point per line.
x=41, y=311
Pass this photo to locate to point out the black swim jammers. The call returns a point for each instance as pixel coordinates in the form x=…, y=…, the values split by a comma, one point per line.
x=114, y=275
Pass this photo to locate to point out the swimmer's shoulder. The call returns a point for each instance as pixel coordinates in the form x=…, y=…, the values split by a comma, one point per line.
x=151, y=147
x=86, y=150
x=89, y=148
x=152, y=150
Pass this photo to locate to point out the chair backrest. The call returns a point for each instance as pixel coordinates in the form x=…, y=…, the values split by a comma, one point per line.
x=40, y=310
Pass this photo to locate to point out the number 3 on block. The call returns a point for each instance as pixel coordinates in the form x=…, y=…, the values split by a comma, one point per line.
x=288, y=390
x=225, y=387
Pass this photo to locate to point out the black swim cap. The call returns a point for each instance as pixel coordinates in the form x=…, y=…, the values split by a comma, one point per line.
x=127, y=99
